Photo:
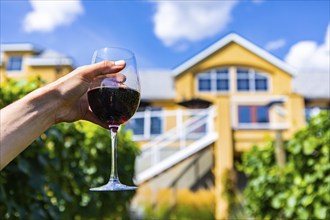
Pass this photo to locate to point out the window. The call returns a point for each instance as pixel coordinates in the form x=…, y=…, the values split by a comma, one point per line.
x=14, y=63
x=251, y=80
x=204, y=82
x=243, y=81
x=136, y=125
x=260, y=82
x=253, y=114
x=216, y=80
x=222, y=80
x=150, y=117
x=156, y=125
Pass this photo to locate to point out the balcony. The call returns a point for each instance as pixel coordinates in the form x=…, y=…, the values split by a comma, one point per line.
x=183, y=133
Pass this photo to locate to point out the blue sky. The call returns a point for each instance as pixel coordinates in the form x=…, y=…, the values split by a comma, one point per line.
x=163, y=34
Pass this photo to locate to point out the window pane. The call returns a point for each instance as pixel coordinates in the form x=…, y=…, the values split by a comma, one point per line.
x=244, y=114
x=204, y=85
x=222, y=73
x=222, y=85
x=242, y=73
x=156, y=125
x=259, y=76
x=14, y=63
x=243, y=85
x=262, y=114
x=261, y=84
x=136, y=125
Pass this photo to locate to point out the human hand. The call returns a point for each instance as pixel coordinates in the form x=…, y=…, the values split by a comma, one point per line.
x=72, y=90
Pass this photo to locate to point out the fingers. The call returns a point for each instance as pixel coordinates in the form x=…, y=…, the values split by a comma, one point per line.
x=101, y=68
x=116, y=77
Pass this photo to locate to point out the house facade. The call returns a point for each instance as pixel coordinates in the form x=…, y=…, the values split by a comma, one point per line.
x=229, y=97
x=24, y=60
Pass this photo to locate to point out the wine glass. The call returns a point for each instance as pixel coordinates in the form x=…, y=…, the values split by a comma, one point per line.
x=114, y=99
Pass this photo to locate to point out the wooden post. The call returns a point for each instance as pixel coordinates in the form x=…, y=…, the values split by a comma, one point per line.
x=279, y=148
x=224, y=158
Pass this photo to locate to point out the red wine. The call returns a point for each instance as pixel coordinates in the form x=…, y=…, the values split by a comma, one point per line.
x=113, y=105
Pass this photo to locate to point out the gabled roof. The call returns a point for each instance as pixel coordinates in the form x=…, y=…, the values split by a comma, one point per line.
x=241, y=41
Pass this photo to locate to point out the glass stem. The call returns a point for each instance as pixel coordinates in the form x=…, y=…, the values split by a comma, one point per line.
x=114, y=172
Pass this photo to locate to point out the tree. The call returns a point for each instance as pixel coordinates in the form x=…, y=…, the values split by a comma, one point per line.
x=52, y=177
x=301, y=189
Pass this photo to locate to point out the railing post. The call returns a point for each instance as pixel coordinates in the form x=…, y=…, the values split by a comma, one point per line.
x=210, y=120
x=155, y=153
x=147, y=124
x=180, y=127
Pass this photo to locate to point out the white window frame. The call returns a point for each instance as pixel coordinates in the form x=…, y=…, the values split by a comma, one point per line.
x=213, y=78
x=14, y=70
x=252, y=78
x=146, y=115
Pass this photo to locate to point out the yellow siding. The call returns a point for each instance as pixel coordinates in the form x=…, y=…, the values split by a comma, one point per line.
x=47, y=73
x=184, y=87
x=296, y=108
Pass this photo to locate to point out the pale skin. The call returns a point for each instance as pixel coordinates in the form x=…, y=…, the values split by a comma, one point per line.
x=64, y=100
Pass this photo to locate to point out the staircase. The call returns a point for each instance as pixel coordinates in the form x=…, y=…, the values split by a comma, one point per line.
x=194, y=131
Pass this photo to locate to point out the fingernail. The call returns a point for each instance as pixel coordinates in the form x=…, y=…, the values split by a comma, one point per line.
x=120, y=62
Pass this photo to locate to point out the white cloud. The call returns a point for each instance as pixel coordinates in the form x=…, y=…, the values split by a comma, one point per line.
x=178, y=21
x=47, y=15
x=276, y=44
x=309, y=57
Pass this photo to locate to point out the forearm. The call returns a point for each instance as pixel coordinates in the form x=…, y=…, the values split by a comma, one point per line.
x=24, y=120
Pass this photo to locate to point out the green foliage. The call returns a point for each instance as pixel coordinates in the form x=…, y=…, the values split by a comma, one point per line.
x=11, y=90
x=52, y=177
x=300, y=190
x=181, y=204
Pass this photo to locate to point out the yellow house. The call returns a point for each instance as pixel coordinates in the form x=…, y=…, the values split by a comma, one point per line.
x=22, y=61
x=196, y=120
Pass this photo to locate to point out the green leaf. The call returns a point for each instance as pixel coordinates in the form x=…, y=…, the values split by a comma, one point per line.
x=309, y=145
x=292, y=201
x=320, y=212
x=276, y=202
x=307, y=200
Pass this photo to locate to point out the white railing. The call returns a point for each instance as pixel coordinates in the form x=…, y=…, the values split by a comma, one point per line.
x=171, y=120
x=192, y=131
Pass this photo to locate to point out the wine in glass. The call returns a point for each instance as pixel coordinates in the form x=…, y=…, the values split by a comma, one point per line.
x=114, y=99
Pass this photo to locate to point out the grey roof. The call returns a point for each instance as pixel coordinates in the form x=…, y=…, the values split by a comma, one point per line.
x=49, y=58
x=312, y=85
x=7, y=47
x=157, y=84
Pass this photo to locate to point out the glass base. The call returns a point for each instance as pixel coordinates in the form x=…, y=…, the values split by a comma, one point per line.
x=113, y=185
